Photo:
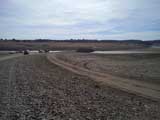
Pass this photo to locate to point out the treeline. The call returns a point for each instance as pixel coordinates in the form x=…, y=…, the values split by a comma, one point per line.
x=150, y=42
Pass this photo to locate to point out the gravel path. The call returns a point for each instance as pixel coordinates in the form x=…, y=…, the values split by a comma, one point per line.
x=32, y=88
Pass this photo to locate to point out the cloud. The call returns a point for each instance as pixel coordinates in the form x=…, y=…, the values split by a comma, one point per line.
x=67, y=18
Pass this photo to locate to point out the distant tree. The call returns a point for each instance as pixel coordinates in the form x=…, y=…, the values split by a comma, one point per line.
x=14, y=39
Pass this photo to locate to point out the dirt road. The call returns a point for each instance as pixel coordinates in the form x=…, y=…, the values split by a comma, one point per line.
x=9, y=57
x=32, y=88
x=138, y=87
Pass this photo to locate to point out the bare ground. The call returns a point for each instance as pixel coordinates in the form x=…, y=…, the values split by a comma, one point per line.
x=140, y=67
x=142, y=88
x=32, y=88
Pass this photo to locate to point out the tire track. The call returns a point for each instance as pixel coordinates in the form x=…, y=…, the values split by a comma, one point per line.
x=10, y=57
x=11, y=90
x=148, y=90
x=36, y=89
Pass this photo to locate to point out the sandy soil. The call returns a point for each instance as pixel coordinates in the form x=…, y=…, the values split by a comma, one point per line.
x=32, y=88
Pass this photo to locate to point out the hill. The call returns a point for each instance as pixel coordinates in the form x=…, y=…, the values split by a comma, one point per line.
x=75, y=44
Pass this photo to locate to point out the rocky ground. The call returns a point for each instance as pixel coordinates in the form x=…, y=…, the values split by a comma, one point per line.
x=32, y=88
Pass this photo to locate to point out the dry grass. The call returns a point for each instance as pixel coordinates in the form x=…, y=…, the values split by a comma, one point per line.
x=11, y=45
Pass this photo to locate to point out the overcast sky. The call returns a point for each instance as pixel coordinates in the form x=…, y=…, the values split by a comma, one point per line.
x=90, y=19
